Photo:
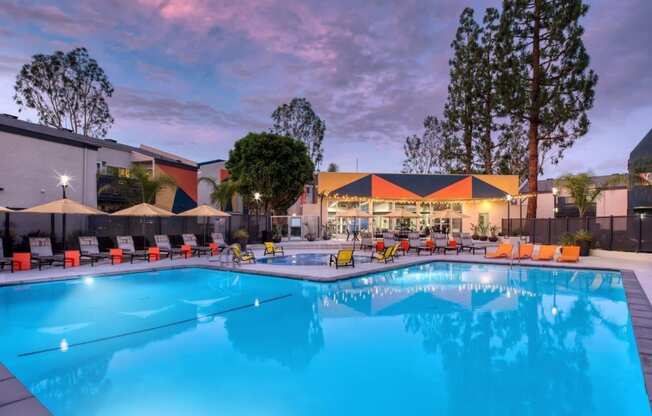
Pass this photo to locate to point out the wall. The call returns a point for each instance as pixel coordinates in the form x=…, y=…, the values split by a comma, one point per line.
x=209, y=170
x=612, y=202
x=497, y=210
x=30, y=168
x=113, y=157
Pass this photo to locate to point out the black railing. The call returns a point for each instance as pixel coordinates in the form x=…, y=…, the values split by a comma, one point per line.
x=21, y=226
x=620, y=233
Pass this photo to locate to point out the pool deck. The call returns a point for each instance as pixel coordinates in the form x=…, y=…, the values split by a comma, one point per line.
x=636, y=270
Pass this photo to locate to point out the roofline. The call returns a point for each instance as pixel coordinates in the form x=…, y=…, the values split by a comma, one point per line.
x=174, y=164
x=47, y=137
x=208, y=162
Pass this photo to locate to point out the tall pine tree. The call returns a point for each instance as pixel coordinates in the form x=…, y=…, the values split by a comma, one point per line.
x=545, y=80
x=461, y=108
x=430, y=153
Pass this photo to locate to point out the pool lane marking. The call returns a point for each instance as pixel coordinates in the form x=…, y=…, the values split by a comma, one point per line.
x=153, y=328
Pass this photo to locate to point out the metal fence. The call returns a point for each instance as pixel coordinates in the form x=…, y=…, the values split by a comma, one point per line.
x=620, y=233
x=18, y=227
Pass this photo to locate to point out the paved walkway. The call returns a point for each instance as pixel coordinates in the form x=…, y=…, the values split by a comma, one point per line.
x=642, y=268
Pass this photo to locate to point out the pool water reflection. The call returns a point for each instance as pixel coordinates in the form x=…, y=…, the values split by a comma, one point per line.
x=306, y=259
x=455, y=339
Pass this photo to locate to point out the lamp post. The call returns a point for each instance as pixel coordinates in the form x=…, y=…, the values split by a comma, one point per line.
x=64, y=182
x=509, y=225
x=555, y=196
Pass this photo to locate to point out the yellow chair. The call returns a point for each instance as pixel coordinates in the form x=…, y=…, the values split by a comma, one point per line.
x=503, y=251
x=570, y=254
x=270, y=248
x=342, y=258
x=239, y=256
x=524, y=251
x=546, y=253
x=386, y=255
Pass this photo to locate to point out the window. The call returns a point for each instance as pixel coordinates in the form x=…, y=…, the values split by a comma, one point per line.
x=483, y=218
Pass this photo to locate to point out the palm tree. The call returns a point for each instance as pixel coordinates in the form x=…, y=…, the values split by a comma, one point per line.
x=140, y=186
x=222, y=192
x=582, y=189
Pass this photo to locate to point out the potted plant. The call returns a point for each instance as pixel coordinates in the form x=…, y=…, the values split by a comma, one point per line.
x=241, y=236
x=309, y=235
x=492, y=230
x=583, y=239
x=482, y=231
x=276, y=234
x=567, y=239
x=474, y=232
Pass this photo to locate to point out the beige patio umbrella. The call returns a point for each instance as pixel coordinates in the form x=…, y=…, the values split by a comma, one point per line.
x=401, y=213
x=204, y=211
x=63, y=207
x=143, y=210
x=5, y=210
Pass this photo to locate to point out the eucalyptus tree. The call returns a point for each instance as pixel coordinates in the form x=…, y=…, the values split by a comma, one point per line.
x=433, y=152
x=299, y=121
x=67, y=90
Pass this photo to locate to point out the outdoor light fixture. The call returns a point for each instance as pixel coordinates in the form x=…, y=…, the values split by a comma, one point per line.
x=64, y=182
x=555, y=193
x=257, y=196
x=555, y=190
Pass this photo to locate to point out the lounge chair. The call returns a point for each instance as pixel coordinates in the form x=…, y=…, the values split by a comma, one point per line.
x=218, y=238
x=569, y=254
x=386, y=255
x=546, y=253
x=89, y=248
x=343, y=258
x=126, y=244
x=41, y=250
x=444, y=244
x=467, y=243
x=388, y=239
x=367, y=241
x=524, y=252
x=270, y=248
x=240, y=257
x=428, y=246
x=162, y=241
x=504, y=250
x=414, y=242
x=191, y=240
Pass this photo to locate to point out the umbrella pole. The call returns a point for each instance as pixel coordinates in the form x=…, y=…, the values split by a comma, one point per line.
x=64, y=231
x=205, y=229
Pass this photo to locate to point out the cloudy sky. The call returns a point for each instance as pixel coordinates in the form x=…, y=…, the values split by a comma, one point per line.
x=193, y=76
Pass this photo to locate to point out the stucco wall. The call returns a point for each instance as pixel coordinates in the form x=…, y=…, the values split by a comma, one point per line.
x=497, y=210
x=115, y=158
x=29, y=170
x=612, y=202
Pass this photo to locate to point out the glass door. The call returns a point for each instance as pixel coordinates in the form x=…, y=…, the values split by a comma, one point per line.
x=295, y=228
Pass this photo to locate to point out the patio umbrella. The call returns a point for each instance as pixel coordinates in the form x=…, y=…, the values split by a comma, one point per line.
x=5, y=210
x=402, y=213
x=354, y=213
x=204, y=211
x=143, y=210
x=64, y=207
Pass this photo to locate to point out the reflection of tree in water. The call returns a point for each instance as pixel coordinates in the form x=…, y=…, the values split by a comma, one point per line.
x=521, y=361
x=80, y=387
x=287, y=331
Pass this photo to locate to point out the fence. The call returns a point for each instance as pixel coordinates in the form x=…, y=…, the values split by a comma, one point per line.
x=18, y=227
x=621, y=233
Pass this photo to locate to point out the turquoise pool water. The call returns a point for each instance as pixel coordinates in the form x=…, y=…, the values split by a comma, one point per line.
x=437, y=339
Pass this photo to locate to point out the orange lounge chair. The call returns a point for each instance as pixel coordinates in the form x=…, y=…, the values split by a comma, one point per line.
x=570, y=254
x=546, y=253
x=503, y=251
x=524, y=251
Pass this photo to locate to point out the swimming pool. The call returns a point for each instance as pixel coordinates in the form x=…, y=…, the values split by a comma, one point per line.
x=306, y=259
x=441, y=338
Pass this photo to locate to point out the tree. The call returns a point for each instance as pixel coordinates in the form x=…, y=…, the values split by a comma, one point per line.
x=584, y=192
x=67, y=90
x=544, y=79
x=222, y=192
x=485, y=76
x=462, y=105
x=511, y=156
x=298, y=120
x=431, y=153
x=139, y=186
x=277, y=167
x=332, y=167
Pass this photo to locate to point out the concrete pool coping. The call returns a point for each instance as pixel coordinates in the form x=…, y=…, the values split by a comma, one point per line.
x=637, y=297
